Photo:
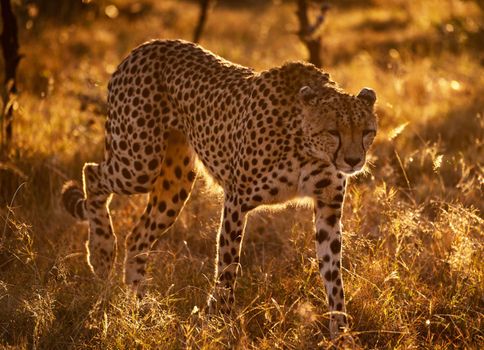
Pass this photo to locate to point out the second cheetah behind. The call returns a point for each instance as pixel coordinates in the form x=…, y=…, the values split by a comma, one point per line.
x=265, y=137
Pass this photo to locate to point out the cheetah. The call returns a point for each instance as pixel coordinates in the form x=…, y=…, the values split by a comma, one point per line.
x=265, y=137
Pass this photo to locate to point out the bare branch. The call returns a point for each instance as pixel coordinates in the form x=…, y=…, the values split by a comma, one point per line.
x=308, y=33
x=314, y=28
x=202, y=18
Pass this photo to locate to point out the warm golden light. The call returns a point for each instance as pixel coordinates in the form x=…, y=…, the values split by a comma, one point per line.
x=412, y=232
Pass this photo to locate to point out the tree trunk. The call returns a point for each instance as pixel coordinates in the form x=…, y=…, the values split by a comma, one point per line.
x=313, y=44
x=202, y=18
x=10, y=46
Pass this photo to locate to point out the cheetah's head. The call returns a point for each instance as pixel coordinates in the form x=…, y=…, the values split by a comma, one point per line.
x=338, y=127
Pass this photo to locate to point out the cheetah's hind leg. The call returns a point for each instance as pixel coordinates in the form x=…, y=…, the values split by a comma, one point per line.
x=92, y=204
x=166, y=200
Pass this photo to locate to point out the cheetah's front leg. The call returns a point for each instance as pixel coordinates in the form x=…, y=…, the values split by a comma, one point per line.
x=328, y=250
x=229, y=244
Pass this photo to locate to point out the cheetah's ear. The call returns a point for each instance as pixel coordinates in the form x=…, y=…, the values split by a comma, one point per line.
x=368, y=96
x=307, y=95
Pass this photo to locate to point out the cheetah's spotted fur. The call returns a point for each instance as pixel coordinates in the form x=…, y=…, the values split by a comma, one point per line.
x=265, y=137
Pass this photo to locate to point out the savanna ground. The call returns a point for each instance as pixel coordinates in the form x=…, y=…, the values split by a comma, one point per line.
x=413, y=235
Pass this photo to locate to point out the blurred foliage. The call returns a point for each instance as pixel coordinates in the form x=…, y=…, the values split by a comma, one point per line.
x=64, y=11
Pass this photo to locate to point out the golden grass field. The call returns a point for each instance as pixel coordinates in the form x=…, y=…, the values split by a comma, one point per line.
x=413, y=227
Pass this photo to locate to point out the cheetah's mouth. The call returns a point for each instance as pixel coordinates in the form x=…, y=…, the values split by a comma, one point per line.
x=347, y=170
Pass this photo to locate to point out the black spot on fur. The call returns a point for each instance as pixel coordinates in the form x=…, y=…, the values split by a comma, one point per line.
x=191, y=175
x=335, y=246
x=331, y=220
x=183, y=194
x=322, y=235
x=323, y=183
x=338, y=198
x=227, y=258
x=178, y=172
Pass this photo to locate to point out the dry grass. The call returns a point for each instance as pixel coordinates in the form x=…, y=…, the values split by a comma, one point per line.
x=413, y=247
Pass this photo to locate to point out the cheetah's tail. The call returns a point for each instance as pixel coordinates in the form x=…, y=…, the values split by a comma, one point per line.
x=73, y=200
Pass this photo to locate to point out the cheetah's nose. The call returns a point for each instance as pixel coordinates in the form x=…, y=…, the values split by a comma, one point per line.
x=352, y=161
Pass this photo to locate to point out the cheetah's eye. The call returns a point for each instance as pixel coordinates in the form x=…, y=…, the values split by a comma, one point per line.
x=334, y=132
